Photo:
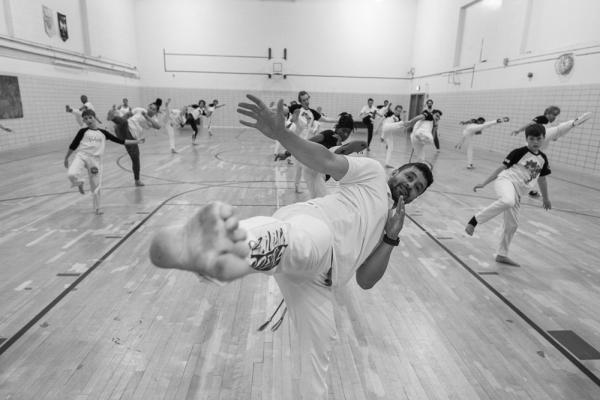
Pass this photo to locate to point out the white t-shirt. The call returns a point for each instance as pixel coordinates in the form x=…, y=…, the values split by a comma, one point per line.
x=357, y=214
x=137, y=123
x=367, y=110
x=89, y=106
x=392, y=125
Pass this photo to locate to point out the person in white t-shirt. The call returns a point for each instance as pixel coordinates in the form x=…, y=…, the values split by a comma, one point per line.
x=86, y=105
x=133, y=128
x=304, y=119
x=168, y=118
x=89, y=144
x=367, y=114
x=307, y=247
x=422, y=133
x=474, y=127
x=393, y=125
x=212, y=107
x=124, y=108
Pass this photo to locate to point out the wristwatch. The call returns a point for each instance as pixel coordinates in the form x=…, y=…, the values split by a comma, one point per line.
x=391, y=242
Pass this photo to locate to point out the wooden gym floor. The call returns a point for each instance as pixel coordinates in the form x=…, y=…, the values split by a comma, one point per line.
x=84, y=315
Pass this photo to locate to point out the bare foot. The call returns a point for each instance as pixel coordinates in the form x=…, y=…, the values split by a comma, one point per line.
x=469, y=229
x=80, y=187
x=210, y=244
x=506, y=260
x=99, y=211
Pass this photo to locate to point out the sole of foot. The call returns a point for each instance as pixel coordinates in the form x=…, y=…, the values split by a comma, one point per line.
x=209, y=244
x=507, y=261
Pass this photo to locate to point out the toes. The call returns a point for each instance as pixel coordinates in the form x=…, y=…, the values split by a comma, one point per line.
x=231, y=224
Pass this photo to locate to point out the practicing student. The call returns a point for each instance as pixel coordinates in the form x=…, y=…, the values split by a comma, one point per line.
x=553, y=132
x=391, y=126
x=306, y=247
x=520, y=170
x=86, y=105
x=367, y=114
x=89, y=144
x=474, y=127
x=212, y=107
x=422, y=133
x=133, y=128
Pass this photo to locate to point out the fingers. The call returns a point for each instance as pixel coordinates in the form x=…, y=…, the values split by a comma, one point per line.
x=249, y=106
x=256, y=100
x=249, y=124
x=251, y=114
x=280, y=106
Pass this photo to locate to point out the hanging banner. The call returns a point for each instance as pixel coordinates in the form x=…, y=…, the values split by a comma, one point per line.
x=49, y=26
x=62, y=26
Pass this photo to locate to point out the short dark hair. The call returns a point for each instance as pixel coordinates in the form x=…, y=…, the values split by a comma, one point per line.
x=345, y=121
x=552, y=109
x=301, y=93
x=424, y=168
x=535, y=130
x=88, y=112
x=369, y=99
x=429, y=100
x=480, y=120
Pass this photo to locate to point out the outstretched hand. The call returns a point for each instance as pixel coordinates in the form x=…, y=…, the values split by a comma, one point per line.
x=514, y=133
x=269, y=122
x=478, y=186
x=395, y=220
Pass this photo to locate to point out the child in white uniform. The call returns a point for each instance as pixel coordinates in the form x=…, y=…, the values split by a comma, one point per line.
x=472, y=128
x=519, y=171
x=89, y=144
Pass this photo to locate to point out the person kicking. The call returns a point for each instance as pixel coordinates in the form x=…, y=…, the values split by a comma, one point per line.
x=307, y=247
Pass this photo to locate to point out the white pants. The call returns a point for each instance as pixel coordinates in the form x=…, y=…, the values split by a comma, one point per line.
x=553, y=133
x=300, y=270
x=418, y=143
x=468, y=140
x=387, y=133
x=171, y=134
x=81, y=163
x=508, y=203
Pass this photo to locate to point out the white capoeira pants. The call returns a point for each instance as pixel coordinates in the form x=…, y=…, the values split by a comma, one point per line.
x=418, y=142
x=84, y=162
x=553, y=133
x=295, y=245
x=387, y=133
x=508, y=203
x=171, y=134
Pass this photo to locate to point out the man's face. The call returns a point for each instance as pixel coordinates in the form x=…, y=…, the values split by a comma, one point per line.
x=305, y=100
x=429, y=103
x=83, y=99
x=370, y=103
x=398, y=111
x=125, y=102
x=408, y=183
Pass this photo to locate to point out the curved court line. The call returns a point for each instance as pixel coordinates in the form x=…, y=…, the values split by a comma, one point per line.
x=514, y=308
x=16, y=336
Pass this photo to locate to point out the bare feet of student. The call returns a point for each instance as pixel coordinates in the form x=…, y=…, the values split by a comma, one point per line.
x=98, y=211
x=210, y=244
x=506, y=260
x=80, y=187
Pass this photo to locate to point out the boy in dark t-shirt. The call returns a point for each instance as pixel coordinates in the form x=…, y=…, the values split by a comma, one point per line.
x=520, y=170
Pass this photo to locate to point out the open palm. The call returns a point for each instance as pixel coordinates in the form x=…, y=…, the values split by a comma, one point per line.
x=269, y=122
